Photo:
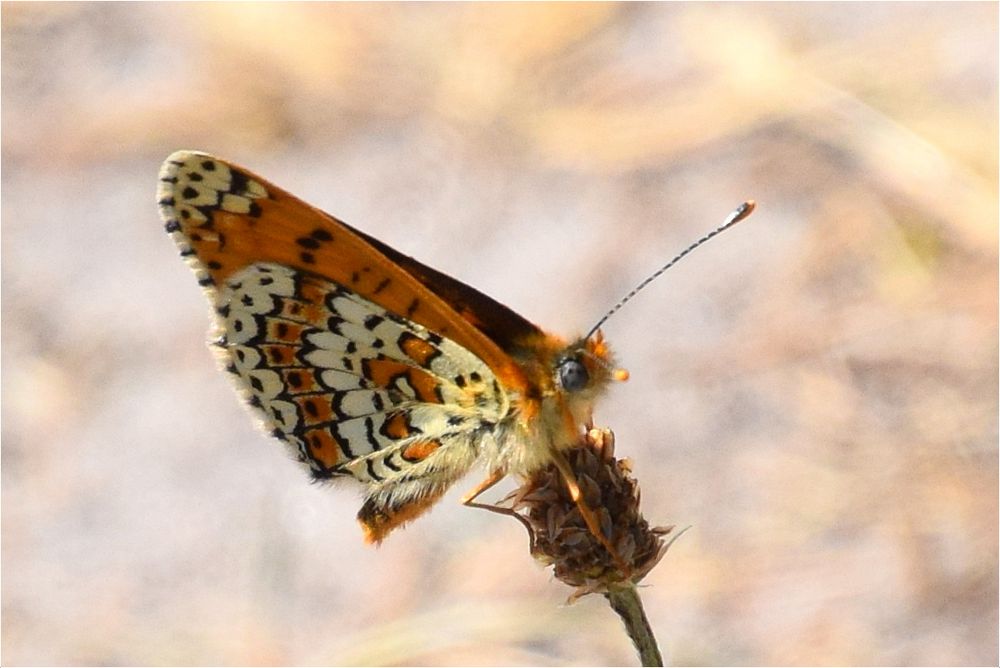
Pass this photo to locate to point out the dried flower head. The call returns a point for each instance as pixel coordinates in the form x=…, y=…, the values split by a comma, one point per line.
x=628, y=548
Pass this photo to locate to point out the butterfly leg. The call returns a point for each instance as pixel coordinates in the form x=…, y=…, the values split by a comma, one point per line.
x=470, y=500
x=490, y=481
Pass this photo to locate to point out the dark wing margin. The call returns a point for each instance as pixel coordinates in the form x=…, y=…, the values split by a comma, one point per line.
x=501, y=324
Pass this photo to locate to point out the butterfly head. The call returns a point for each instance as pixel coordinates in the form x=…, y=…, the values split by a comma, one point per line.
x=586, y=366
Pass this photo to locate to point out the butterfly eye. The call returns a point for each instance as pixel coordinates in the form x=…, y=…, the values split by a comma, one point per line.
x=573, y=375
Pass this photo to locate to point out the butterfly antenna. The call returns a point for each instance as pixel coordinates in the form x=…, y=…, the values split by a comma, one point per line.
x=738, y=214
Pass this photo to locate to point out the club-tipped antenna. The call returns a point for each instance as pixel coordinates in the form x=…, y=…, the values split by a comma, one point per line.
x=738, y=214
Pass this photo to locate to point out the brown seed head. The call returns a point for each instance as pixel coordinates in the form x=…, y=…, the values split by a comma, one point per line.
x=559, y=534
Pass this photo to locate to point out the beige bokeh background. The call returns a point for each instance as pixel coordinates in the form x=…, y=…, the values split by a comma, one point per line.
x=815, y=392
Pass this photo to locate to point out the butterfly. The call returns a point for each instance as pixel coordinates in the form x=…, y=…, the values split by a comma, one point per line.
x=366, y=363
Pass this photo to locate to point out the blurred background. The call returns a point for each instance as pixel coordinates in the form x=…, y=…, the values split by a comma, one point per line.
x=815, y=392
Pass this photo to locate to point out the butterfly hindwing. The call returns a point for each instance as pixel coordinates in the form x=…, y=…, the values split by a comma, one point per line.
x=317, y=356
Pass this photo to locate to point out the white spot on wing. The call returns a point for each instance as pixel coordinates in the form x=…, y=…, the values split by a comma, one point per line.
x=325, y=359
x=235, y=203
x=287, y=416
x=270, y=383
x=337, y=379
x=355, y=432
x=245, y=358
x=360, y=402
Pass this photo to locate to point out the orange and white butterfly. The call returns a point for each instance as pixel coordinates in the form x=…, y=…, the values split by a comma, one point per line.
x=365, y=362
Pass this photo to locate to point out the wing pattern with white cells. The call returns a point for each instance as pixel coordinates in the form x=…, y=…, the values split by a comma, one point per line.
x=351, y=388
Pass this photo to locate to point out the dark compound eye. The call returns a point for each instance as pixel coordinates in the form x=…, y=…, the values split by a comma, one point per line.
x=573, y=375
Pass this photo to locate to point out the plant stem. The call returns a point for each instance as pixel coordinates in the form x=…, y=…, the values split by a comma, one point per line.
x=626, y=602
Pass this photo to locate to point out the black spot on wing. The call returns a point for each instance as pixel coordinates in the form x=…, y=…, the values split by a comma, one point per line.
x=342, y=443
x=389, y=464
x=333, y=324
x=319, y=474
x=370, y=434
x=370, y=465
x=239, y=182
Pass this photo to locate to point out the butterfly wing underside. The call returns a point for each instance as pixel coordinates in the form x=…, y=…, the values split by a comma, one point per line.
x=348, y=351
